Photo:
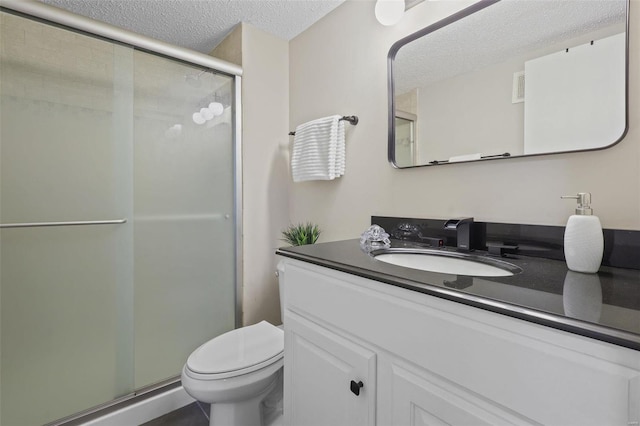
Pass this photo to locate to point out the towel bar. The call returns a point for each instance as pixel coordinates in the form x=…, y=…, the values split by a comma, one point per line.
x=75, y=223
x=352, y=119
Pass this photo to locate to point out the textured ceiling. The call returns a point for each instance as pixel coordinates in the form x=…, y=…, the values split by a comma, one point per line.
x=504, y=30
x=201, y=24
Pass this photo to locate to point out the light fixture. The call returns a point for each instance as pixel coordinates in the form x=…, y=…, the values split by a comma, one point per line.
x=216, y=108
x=206, y=113
x=198, y=118
x=389, y=12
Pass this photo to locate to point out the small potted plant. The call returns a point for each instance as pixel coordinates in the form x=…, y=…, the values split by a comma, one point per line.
x=301, y=234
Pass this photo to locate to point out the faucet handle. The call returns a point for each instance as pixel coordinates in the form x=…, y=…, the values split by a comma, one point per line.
x=454, y=223
x=462, y=226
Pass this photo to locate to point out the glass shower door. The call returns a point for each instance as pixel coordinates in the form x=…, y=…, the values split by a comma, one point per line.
x=117, y=249
x=184, y=230
x=66, y=299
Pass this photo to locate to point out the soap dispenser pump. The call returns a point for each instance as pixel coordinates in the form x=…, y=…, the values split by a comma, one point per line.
x=583, y=238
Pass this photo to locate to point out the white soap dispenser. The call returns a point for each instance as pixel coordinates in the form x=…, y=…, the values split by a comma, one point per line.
x=583, y=239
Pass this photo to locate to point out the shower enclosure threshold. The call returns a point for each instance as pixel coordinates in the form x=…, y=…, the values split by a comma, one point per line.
x=142, y=407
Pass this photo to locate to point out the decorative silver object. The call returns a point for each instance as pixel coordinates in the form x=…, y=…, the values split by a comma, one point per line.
x=374, y=238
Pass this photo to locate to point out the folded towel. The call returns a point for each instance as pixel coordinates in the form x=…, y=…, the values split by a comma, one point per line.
x=467, y=157
x=341, y=153
x=319, y=150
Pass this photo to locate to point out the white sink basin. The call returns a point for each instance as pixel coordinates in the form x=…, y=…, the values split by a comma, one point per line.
x=447, y=262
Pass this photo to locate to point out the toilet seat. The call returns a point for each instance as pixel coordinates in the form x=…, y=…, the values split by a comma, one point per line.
x=237, y=352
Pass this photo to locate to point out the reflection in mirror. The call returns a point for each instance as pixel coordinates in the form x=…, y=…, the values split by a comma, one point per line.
x=405, y=137
x=510, y=78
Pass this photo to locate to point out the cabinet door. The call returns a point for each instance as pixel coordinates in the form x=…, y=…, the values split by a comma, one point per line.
x=420, y=398
x=319, y=368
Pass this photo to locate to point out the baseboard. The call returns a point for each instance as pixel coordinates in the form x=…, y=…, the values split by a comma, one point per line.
x=146, y=410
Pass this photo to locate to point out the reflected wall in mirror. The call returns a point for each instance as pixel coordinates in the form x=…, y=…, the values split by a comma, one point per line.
x=510, y=78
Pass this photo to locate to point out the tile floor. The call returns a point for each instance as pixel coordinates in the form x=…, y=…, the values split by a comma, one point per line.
x=196, y=414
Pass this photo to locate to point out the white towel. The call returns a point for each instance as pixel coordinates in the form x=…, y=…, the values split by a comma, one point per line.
x=319, y=150
x=467, y=157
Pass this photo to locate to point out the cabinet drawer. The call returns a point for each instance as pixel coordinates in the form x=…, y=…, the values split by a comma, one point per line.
x=418, y=398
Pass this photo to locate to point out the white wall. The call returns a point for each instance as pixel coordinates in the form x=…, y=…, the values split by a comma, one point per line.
x=478, y=114
x=265, y=102
x=339, y=66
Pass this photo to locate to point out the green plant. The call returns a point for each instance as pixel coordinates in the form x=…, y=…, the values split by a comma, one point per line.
x=301, y=234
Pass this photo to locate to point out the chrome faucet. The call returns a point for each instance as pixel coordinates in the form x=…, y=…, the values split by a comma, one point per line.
x=463, y=228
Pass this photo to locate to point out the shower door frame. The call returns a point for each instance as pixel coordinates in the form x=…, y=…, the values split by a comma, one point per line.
x=62, y=18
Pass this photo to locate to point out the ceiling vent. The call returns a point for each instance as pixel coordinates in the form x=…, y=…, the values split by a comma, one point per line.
x=517, y=94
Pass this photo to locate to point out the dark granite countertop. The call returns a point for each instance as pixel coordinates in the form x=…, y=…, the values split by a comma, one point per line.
x=603, y=306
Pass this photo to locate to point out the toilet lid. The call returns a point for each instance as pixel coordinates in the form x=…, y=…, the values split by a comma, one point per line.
x=238, y=349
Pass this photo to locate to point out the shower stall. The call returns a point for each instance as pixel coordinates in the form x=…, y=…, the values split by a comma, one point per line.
x=120, y=211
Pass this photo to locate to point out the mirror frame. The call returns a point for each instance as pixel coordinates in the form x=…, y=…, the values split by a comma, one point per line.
x=476, y=7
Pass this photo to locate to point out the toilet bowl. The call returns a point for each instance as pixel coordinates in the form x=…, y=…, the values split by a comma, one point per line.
x=235, y=372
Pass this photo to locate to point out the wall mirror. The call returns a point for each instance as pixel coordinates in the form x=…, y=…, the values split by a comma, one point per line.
x=502, y=79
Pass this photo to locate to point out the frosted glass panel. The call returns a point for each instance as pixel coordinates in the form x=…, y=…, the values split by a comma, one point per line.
x=63, y=290
x=183, y=202
x=93, y=131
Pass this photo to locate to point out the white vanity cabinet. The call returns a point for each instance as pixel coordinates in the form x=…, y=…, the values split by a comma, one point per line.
x=332, y=379
x=424, y=360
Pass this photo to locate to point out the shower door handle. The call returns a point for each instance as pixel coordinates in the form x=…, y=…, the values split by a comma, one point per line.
x=75, y=223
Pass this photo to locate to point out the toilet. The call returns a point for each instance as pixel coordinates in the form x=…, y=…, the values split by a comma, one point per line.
x=240, y=374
